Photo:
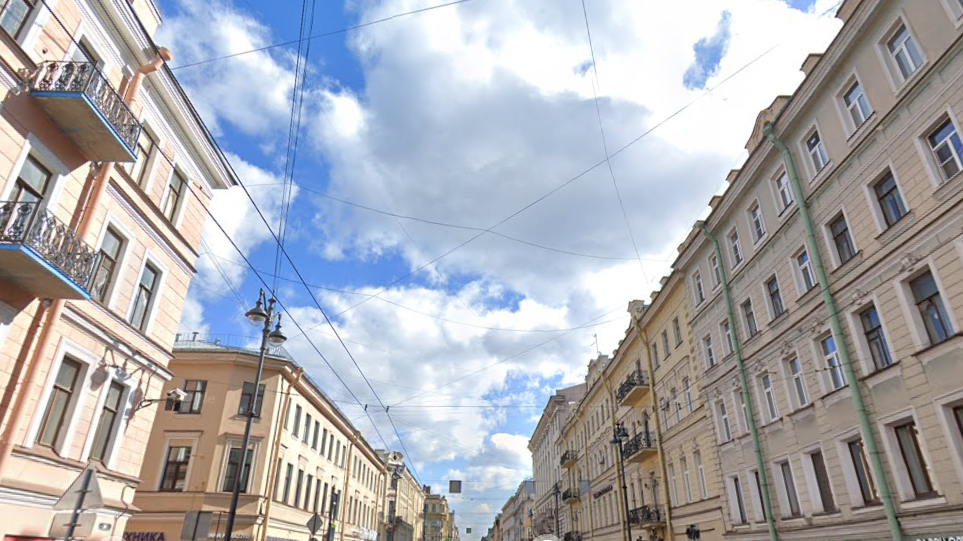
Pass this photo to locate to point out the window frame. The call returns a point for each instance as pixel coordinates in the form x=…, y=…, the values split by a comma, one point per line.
x=894, y=73
x=774, y=310
x=677, y=331
x=191, y=395
x=728, y=345
x=749, y=318
x=250, y=466
x=869, y=353
x=173, y=214
x=790, y=491
x=72, y=396
x=799, y=270
x=698, y=288
x=167, y=464
x=734, y=242
x=757, y=222
x=261, y=388
x=708, y=352
x=116, y=434
x=834, y=240
x=880, y=213
x=941, y=177
x=833, y=371
x=112, y=224
x=714, y=271
x=150, y=311
x=820, y=486
x=920, y=331
x=779, y=189
x=771, y=401
x=722, y=417
x=812, y=152
x=896, y=452
x=847, y=111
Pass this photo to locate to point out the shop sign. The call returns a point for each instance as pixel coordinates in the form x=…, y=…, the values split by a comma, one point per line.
x=941, y=538
x=144, y=536
x=233, y=536
x=271, y=538
x=602, y=492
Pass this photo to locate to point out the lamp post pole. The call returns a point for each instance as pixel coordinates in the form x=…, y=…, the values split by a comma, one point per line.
x=257, y=316
x=555, y=491
x=619, y=436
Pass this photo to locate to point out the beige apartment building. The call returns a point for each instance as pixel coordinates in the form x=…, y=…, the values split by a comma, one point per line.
x=405, y=501
x=439, y=521
x=106, y=174
x=305, y=456
x=516, y=515
x=544, y=446
x=839, y=278
x=689, y=462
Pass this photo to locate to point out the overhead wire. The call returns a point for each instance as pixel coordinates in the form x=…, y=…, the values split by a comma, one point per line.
x=322, y=35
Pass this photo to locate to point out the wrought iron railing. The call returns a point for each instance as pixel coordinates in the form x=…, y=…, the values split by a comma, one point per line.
x=647, y=514
x=85, y=78
x=570, y=494
x=568, y=455
x=642, y=440
x=28, y=224
x=636, y=379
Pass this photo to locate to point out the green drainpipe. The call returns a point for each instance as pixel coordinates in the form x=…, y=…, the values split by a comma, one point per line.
x=744, y=380
x=840, y=338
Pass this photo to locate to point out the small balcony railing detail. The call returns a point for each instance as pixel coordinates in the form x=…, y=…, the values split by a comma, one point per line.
x=570, y=495
x=568, y=457
x=27, y=224
x=637, y=378
x=647, y=514
x=643, y=441
x=84, y=78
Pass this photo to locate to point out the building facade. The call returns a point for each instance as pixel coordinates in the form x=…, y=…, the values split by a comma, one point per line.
x=405, y=501
x=543, y=445
x=107, y=171
x=686, y=439
x=438, y=518
x=305, y=456
x=834, y=262
x=517, y=512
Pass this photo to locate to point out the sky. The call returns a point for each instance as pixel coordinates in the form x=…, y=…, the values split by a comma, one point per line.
x=458, y=235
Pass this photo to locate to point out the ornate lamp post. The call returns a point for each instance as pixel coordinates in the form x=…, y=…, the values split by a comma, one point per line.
x=257, y=316
x=619, y=436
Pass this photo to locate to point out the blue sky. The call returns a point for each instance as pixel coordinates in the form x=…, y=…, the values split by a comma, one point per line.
x=467, y=117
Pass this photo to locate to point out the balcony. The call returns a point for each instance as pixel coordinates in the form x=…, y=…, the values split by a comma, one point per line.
x=569, y=459
x=41, y=254
x=80, y=100
x=639, y=448
x=570, y=496
x=647, y=515
x=633, y=390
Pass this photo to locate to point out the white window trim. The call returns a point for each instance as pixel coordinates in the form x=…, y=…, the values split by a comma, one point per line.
x=846, y=118
x=695, y=291
x=849, y=472
x=797, y=273
x=755, y=498
x=727, y=343
x=953, y=437
x=871, y=200
x=113, y=222
x=35, y=22
x=255, y=443
x=789, y=382
x=911, y=314
x=168, y=439
x=763, y=399
x=732, y=255
x=893, y=74
x=48, y=159
x=752, y=226
x=777, y=198
x=715, y=272
x=831, y=243
x=825, y=380
x=127, y=405
x=954, y=11
x=856, y=330
x=185, y=195
x=812, y=484
x=705, y=351
x=741, y=412
x=929, y=158
x=93, y=42
x=745, y=320
x=65, y=348
x=782, y=491
x=719, y=420
x=807, y=157
x=153, y=161
x=152, y=308
x=895, y=456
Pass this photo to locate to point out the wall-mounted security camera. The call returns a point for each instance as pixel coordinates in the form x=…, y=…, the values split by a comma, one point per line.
x=177, y=395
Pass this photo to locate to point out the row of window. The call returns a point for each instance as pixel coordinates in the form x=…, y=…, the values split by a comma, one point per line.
x=930, y=314
x=677, y=336
x=903, y=445
x=703, y=486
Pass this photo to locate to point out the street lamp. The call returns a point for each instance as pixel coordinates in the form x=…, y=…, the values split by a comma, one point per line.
x=264, y=317
x=619, y=435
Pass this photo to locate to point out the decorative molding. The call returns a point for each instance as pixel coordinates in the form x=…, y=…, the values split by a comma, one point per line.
x=908, y=262
x=179, y=260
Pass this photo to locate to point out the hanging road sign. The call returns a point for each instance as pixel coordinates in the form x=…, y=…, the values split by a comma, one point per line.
x=454, y=487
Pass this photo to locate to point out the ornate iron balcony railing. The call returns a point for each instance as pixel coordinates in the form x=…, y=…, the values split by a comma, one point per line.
x=647, y=514
x=86, y=79
x=28, y=224
x=568, y=455
x=570, y=494
x=642, y=440
x=636, y=379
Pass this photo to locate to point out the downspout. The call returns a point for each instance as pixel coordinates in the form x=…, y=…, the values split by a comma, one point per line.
x=654, y=401
x=276, y=450
x=839, y=336
x=18, y=413
x=619, y=464
x=744, y=381
x=345, y=509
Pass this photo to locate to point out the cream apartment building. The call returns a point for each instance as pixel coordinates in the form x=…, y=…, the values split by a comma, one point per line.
x=546, y=468
x=405, y=501
x=438, y=519
x=840, y=413
x=106, y=171
x=305, y=456
x=687, y=447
